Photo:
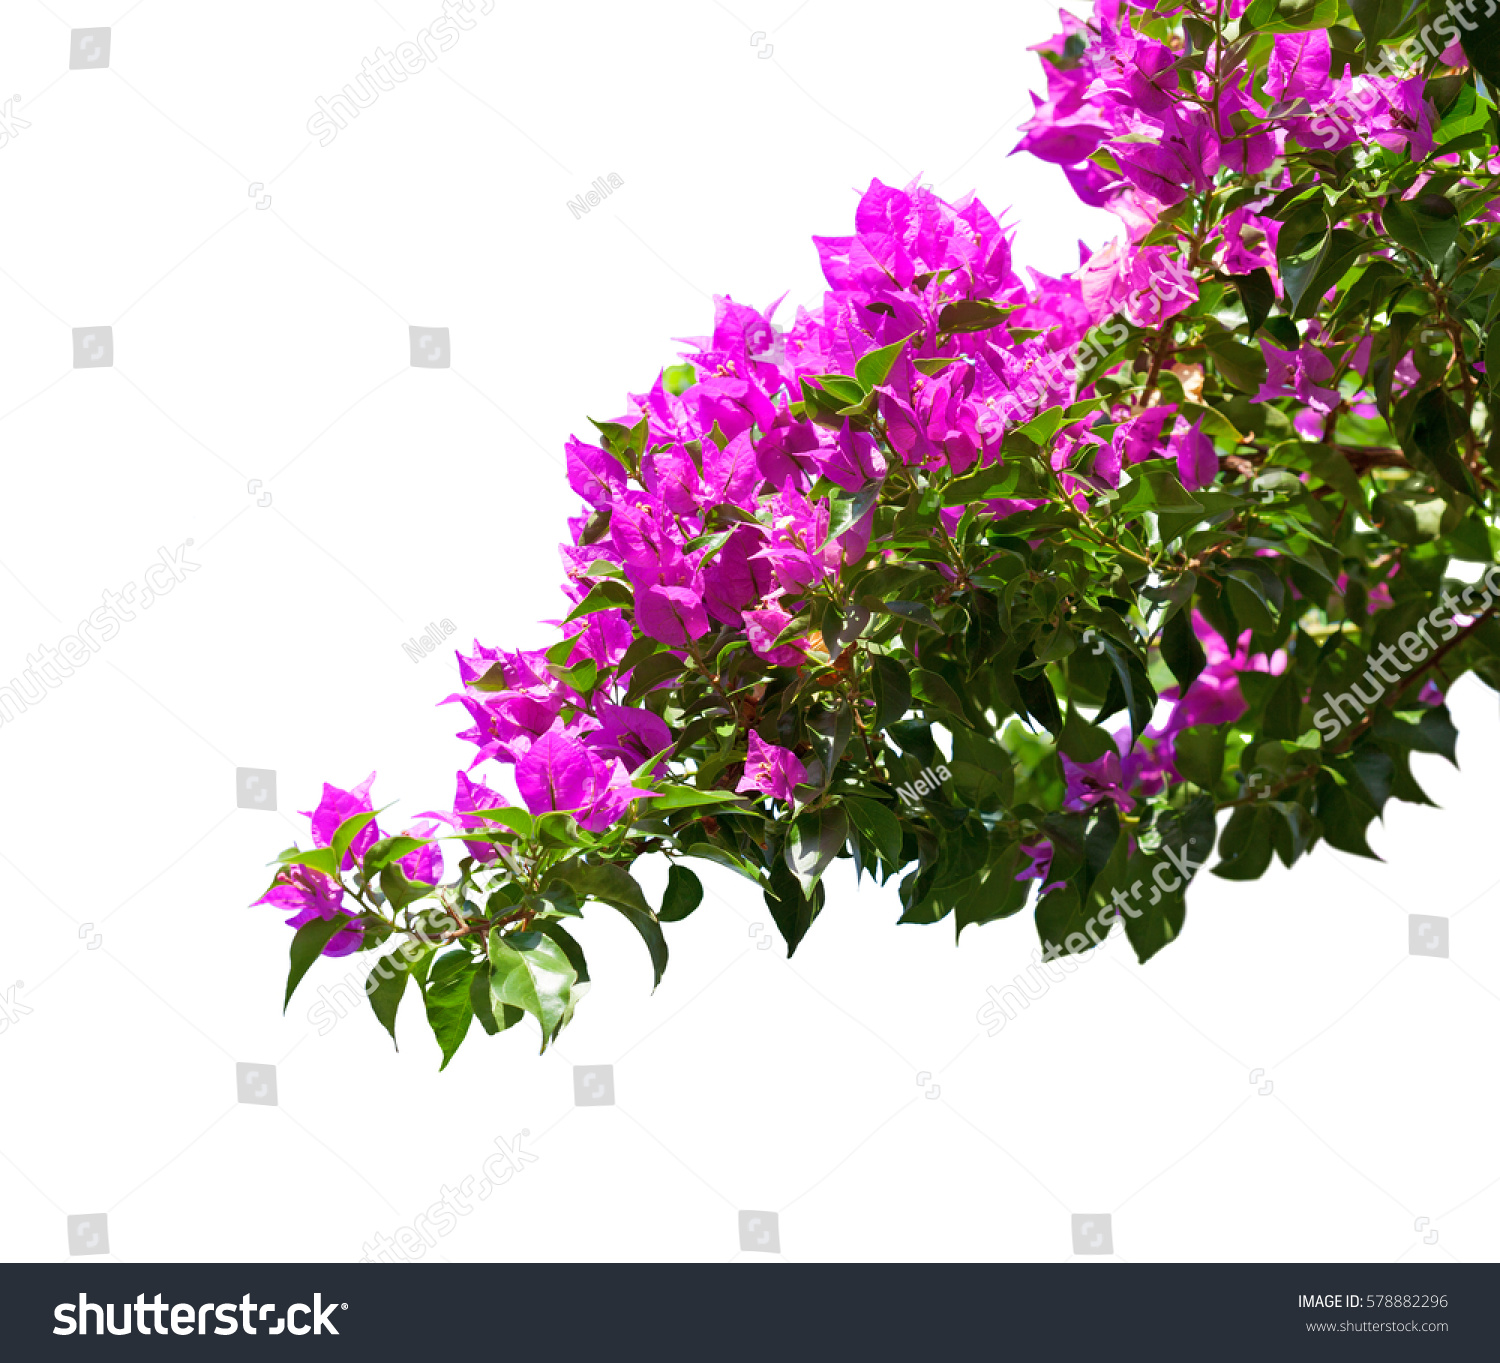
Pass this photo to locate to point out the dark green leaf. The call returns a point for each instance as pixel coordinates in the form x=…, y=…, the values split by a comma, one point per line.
x=892, y=690
x=791, y=909
x=386, y=983
x=1181, y=651
x=1428, y=225
x=446, y=995
x=307, y=946
x=684, y=894
x=1257, y=296
x=878, y=824
x=615, y=886
x=816, y=837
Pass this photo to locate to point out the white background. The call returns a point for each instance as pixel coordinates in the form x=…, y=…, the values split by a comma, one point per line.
x=852, y=1091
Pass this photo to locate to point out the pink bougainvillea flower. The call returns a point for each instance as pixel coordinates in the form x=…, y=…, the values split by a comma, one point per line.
x=1249, y=243
x=338, y=805
x=468, y=796
x=771, y=770
x=1089, y=783
x=308, y=894
x=556, y=774
x=1301, y=373
x=1215, y=696
x=673, y=614
x=628, y=734
x=426, y=863
x=763, y=627
x=1197, y=460
x=560, y=773
x=1299, y=67
x=1179, y=160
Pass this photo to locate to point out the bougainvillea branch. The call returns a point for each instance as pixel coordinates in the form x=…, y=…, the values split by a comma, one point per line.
x=1026, y=592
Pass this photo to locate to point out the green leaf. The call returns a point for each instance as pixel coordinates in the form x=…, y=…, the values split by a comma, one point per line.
x=400, y=891
x=1042, y=428
x=678, y=378
x=1428, y=225
x=878, y=824
x=574, y=953
x=993, y=892
x=1315, y=265
x=482, y=1001
x=1016, y=477
x=1437, y=424
x=933, y=365
x=446, y=996
x=1082, y=741
x=1130, y=688
x=873, y=369
x=690, y=797
x=386, y=983
x=1334, y=469
x=846, y=511
x=791, y=910
x=556, y=901
x=307, y=946
x=1063, y=917
x=892, y=690
x=1245, y=845
x=932, y=689
x=1343, y=818
x=684, y=894
x=1151, y=488
x=1468, y=115
x=603, y=597
x=816, y=837
x=1292, y=16
x=1200, y=754
x=626, y=443
x=652, y=672
x=1244, y=366
x=532, y=972
x=518, y=820
x=722, y=856
x=840, y=386
x=615, y=886
x=918, y=611
x=1378, y=19
x=389, y=850
x=1257, y=296
x=317, y=858
x=1187, y=842
x=346, y=833
x=1181, y=651
x=1482, y=47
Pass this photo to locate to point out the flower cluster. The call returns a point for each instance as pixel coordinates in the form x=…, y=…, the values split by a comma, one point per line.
x=958, y=516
